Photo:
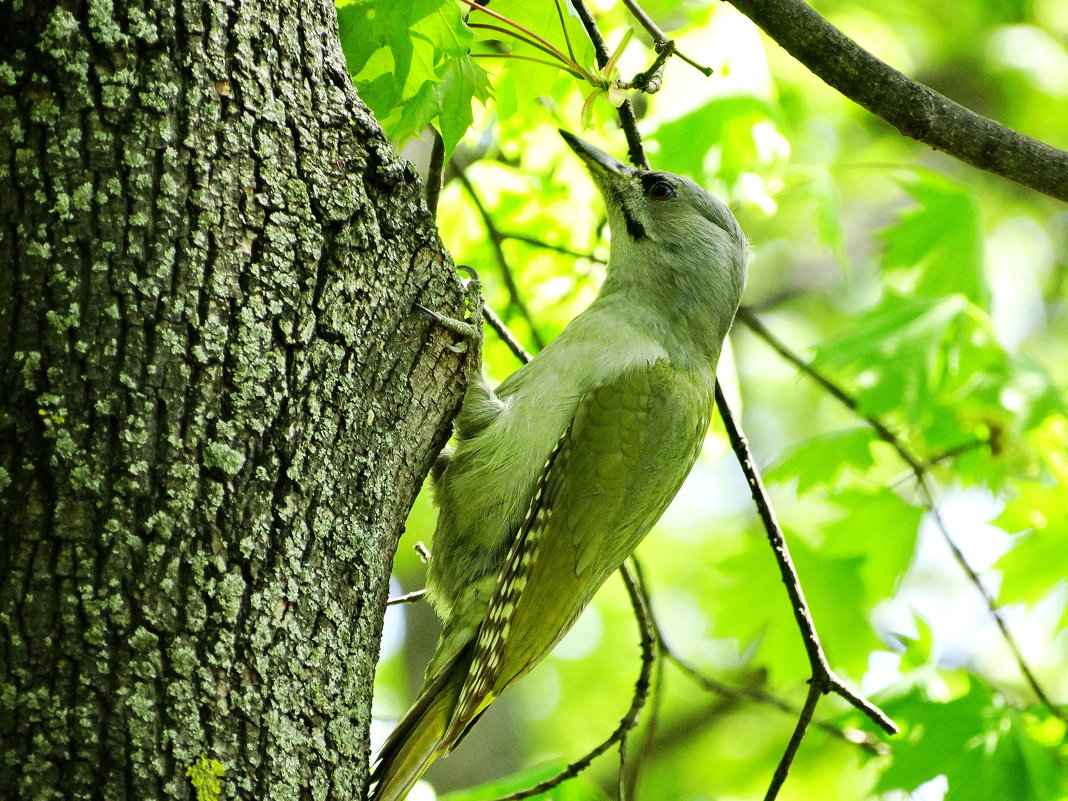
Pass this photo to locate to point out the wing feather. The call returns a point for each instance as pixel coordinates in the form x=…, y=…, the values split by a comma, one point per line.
x=629, y=446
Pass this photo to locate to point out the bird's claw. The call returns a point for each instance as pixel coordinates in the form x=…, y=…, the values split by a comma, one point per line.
x=471, y=330
x=466, y=330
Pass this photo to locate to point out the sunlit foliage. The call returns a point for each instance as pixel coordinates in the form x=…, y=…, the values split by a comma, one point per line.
x=932, y=294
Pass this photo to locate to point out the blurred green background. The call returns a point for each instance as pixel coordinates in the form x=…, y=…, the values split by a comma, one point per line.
x=932, y=293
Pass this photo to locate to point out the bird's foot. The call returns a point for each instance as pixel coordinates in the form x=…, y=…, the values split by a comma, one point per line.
x=468, y=330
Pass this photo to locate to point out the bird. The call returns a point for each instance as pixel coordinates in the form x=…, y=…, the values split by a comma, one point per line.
x=558, y=474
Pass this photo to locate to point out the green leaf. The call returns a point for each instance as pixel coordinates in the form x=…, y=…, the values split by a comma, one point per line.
x=821, y=461
x=935, y=364
x=984, y=748
x=751, y=605
x=461, y=80
x=1035, y=564
x=919, y=650
x=417, y=112
x=881, y=529
x=411, y=65
x=939, y=242
x=727, y=122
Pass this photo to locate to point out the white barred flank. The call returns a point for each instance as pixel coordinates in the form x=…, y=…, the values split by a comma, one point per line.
x=497, y=623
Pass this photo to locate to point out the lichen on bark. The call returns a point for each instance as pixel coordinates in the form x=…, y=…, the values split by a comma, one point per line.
x=217, y=402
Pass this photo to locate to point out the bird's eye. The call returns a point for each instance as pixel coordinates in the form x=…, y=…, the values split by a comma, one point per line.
x=661, y=190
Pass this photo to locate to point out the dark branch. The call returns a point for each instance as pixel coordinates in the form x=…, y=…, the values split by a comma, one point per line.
x=914, y=109
x=660, y=41
x=822, y=675
x=626, y=111
x=496, y=238
x=757, y=695
x=919, y=470
x=658, y=681
x=783, y=768
x=538, y=243
x=497, y=324
x=433, y=178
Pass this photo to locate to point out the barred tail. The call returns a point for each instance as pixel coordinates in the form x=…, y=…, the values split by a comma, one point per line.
x=418, y=739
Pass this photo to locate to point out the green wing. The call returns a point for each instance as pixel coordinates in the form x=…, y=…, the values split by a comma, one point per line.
x=622, y=459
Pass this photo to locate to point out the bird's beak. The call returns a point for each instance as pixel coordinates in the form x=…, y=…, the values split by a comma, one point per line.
x=599, y=163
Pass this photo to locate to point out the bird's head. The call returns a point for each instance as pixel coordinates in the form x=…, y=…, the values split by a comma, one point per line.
x=659, y=213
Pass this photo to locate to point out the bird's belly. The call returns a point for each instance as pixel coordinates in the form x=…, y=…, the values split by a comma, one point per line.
x=484, y=494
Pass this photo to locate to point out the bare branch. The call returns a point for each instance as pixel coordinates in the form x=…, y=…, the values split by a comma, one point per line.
x=626, y=111
x=529, y=240
x=914, y=109
x=496, y=238
x=783, y=768
x=919, y=470
x=658, y=679
x=660, y=41
x=407, y=598
x=509, y=339
x=822, y=675
x=757, y=695
x=433, y=178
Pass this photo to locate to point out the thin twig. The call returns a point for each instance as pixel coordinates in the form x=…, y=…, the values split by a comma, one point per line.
x=563, y=29
x=627, y=119
x=407, y=598
x=548, y=46
x=497, y=324
x=955, y=451
x=919, y=471
x=496, y=238
x=756, y=694
x=533, y=59
x=530, y=240
x=513, y=35
x=660, y=41
x=815, y=690
x=658, y=680
x=822, y=676
x=854, y=736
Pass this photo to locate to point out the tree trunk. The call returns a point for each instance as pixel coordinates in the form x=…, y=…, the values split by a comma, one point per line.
x=217, y=398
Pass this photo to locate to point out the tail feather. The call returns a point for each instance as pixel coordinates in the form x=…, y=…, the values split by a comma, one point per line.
x=417, y=740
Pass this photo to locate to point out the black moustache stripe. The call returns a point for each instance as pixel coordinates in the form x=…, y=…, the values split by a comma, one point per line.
x=634, y=228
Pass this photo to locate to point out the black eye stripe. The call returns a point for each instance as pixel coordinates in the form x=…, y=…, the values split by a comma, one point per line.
x=634, y=228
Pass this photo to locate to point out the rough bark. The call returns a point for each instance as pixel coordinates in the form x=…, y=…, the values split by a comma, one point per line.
x=217, y=401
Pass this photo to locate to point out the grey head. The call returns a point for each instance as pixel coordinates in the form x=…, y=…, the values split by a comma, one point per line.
x=672, y=239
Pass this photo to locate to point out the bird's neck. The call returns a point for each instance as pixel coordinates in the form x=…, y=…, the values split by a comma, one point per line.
x=689, y=307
